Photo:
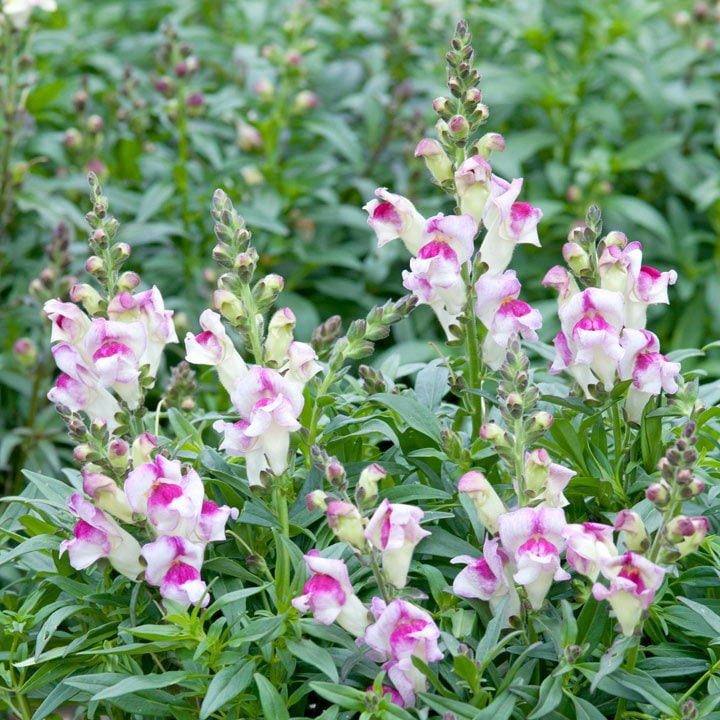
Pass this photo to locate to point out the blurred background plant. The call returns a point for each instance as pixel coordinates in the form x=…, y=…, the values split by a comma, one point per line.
x=299, y=111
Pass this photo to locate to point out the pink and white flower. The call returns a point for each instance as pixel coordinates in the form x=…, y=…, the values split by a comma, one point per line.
x=330, y=597
x=69, y=323
x=171, y=500
x=302, y=364
x=534, y=538
x=212, y=521
x=473, y=184
x=633, y=583
x=635, y=535
x=107, y=494
x=400, y=632
x=488, y=578
x=77, y=395
x=457, y=231
x=269, y=405
x=173, y=565
x=650, y=371
x=96, y=536
x=500, y=311
x=587, y=545
x=345, y=521
x=508, y=223
x=395, y=530
x=546, y=479
x=394, y=216
x=435, y=278
x=214, y=347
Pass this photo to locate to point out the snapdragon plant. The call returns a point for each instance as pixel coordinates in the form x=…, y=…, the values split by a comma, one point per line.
x=282, y=533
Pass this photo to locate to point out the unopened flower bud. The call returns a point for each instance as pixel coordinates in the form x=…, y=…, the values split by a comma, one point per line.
x=80, y=99
x=266, y=290
x=436, y=159
x=264, y=88
x=487, y=502
x=684, y=476
x=94, y=124
x=694, y=488
x=143, y=448
x=25, y=352
x=335, y=473
x=635, y=535
x=305, y=100
x=494, y=434
x=487, y=144
x=615, y=237
x=88, y=297
x=577, y=258
x=459, y=127
x=118, y=453
x=85, y=453
x=539, y=421
x=443, y=106
x=164, y=85
x=279, y=336
x=248, y=137
x=472, y=96
x=120, y=252
x=72, y=138
x=346, y=522
x=673, y=456
x=659, y=494
x=515, y=404
x=128, y=281
x=455, y=86
x=95, y=265
x=366, y=491
x=666, y=469
x=195, y=100
x=316, y=500
x=228, y=305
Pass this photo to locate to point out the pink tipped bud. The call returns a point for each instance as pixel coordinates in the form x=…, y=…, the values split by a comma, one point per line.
x=577, y=259
x=305, y=100
x=317, y=500
x=94, y=124
x=459, y=127
x=88, y=297
x=95, y=265
x=436, y=159
x=25, y=352
x=72, y=138
x=118, y=453
x=658, y=494
x=143, y=449
x=366, y=491
x=128, y=281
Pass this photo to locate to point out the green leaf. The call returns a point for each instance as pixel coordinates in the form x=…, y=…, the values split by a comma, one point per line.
x=225, y=686
x=612, y=659
x=309, y=652
x=255, y=630
x=431, y=384
x=412, y=413
x=638, y=153
x=133, y=684
x=234, y=596
x=501, y=708
x=346, y=697
x=585, y=710
x=58, y=696
x=711, y=618
x=643, y=684
x=550, y=697
x=42, y=543
x=272, y=703
x=51, y=625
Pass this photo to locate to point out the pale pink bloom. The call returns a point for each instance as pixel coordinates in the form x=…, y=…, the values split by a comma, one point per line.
x=173, y=565
x=345, y=521
x=635, y=536
x=472, y=183
x=302, y=364
x=436, y=279
x=503, y=315
x=97, y=535
x=69, y=323
x=214, y=347
x=400, y=632
x=395, y=530
x=149, y=308
x=279, y=336
x=78, y=395
x=107, y=494
x=508, y=223
x=534, y=538
x=650, y=371
x=587, y=545
x=212, y=521
x=457, y=231
x=171, y=500
x=488, y=578
x=687, y=533
x=633, y=583
x=487, y=503
x=558, y=278
x=393, y=216
x=546, y=479
x=619, y=266
x=589, y=343
x=269, y=405
x=330, y=597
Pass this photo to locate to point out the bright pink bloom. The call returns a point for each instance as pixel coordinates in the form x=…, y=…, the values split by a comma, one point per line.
x=503, y=315
x=650, y=371
x=330, y=597
x=534, y=538
x=395, y=530
x=508, y=223
x=403, y=631
x=173, y=565
x=587, y=545
x=633, y=583
x=214, y=347
x=393, y=216
x=171, y=500
x=457, y=231
x=436, y=279
x=97, y=535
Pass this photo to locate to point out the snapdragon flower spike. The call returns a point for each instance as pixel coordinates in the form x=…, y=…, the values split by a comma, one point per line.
x=488, y=578
x=487, y=502
x=435, y=278
x=508, y=223
x=633, y=583
x=330, y=597
x=149, y=308
x=173, y=565
x=587, y=545
x=171, y=501
x=589, y=342
x=400, y=632
x=269, y=405
x=473, y=185
x=214, y=347
x=500, y=311
x=96, y=536
x=650, y=371
x=394, y=530
x=394, y=216
x=534, y=539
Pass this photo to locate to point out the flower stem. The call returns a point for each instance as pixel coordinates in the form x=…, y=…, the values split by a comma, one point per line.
x=282, y=565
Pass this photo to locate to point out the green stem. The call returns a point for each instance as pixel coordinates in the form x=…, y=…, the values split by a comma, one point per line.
x=519, y=461
x=22, y=704
x=629, y=667
x=710, y=672
x=315, y=417
x=472, y=354
x=282, y=565
x=251, y=310
x=380, y=580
